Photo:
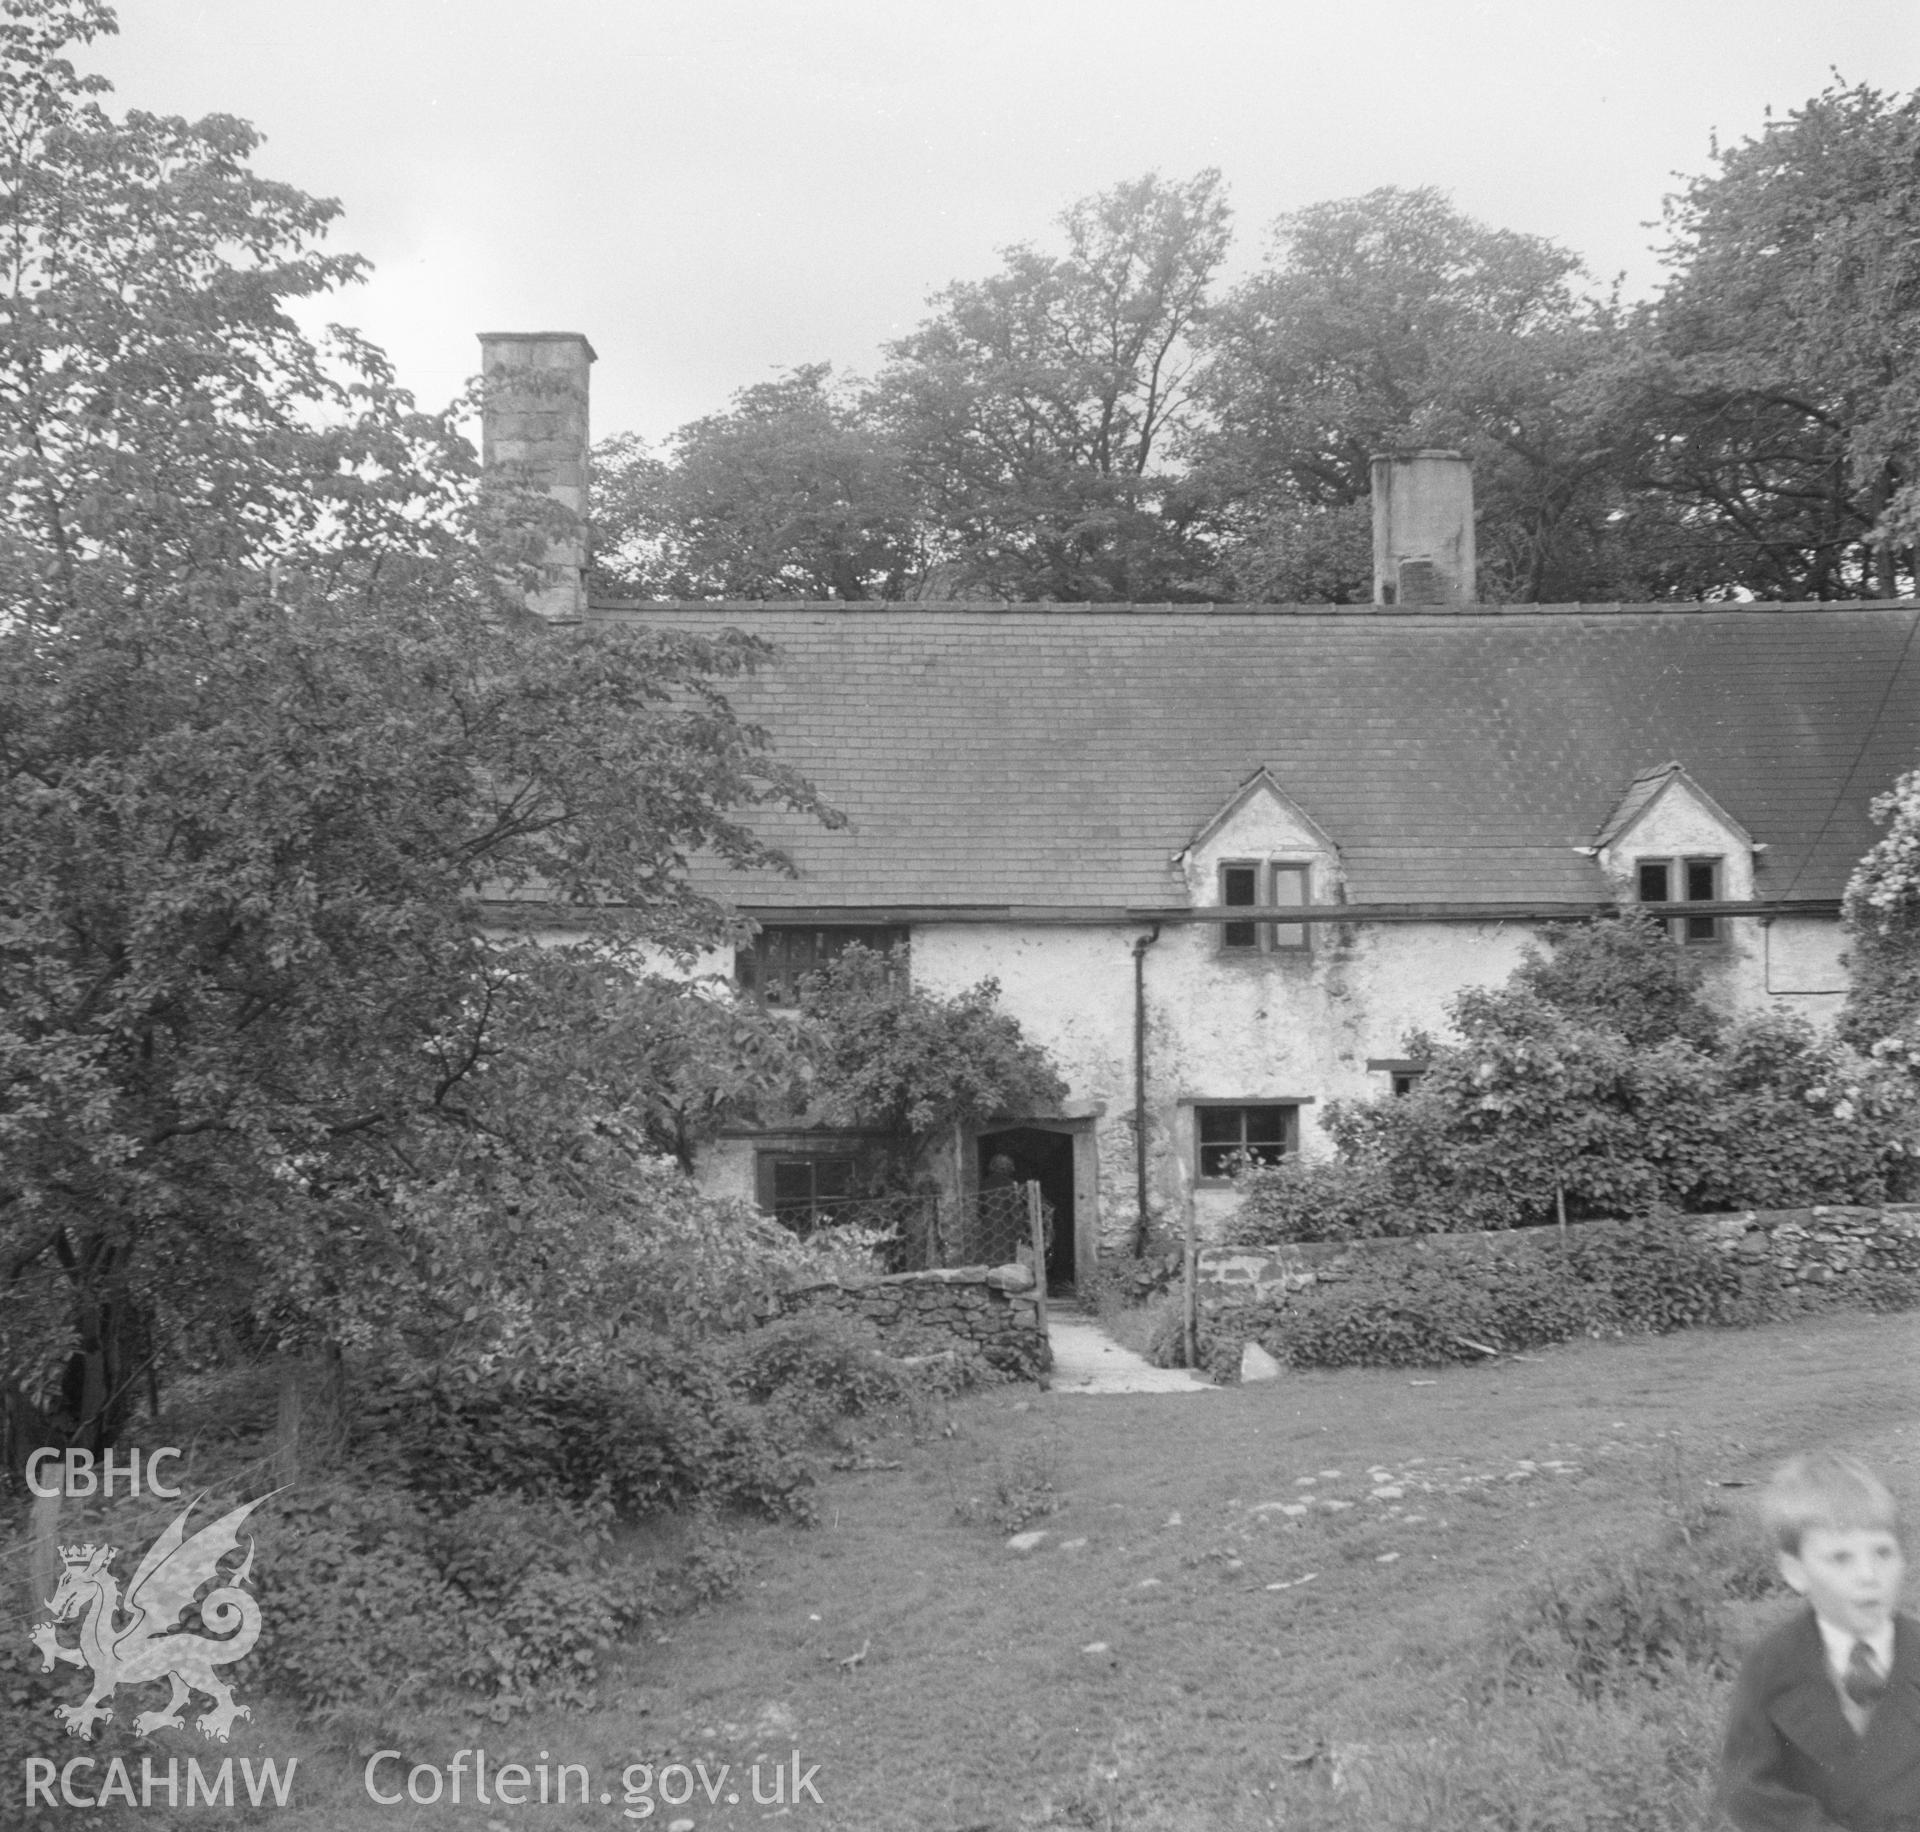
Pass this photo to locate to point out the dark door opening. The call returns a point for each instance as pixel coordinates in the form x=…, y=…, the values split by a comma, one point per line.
x=1045, y=1158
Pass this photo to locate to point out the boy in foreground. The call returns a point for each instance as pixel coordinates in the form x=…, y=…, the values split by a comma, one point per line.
x=1825, y=1727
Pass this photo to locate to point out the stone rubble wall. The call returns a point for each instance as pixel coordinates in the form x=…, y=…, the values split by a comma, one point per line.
x=1798, y=1259
x=993, y=1308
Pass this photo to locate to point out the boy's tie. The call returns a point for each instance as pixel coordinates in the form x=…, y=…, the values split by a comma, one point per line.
x=1864, y=1681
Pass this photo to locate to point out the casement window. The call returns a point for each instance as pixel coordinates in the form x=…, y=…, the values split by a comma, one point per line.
x=1263, y=1132
x=1682, y=881
x=783, y=954
x=803, y=1190
x=1280, y=883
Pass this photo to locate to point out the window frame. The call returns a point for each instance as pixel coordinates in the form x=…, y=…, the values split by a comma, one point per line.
x=1679, y=870
x=1252, y=938
x=770, y=1160
x=1288, y=1144
x=775, y=985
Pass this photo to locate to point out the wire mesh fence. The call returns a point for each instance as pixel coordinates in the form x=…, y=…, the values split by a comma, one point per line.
x=992, y=1226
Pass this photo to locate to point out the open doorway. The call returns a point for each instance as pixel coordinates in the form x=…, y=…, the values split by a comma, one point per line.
x=1045, y=1158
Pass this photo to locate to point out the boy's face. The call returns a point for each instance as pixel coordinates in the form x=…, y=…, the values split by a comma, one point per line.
x=1850, y=1575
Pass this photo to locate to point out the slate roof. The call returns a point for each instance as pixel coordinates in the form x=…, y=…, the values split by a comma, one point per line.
x=1056, y=756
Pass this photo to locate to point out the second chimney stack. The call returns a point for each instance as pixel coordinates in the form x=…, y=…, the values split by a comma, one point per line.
x=1423, y=528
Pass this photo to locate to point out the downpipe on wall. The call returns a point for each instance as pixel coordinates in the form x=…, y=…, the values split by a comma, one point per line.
x=1140, y=946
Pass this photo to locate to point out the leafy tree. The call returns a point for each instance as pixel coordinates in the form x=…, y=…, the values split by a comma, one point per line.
x=1882, y=915
x=895, y=1058
x=791, y=493
x=272, y=733
x=1393, y=320
x=1774, y=399
x=1034, y=410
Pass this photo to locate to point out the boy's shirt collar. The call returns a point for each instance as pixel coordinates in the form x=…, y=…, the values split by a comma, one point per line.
x=1839, y=1645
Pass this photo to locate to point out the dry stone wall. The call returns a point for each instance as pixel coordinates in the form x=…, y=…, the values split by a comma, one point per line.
x=1789, y=1259
x=995, y=1309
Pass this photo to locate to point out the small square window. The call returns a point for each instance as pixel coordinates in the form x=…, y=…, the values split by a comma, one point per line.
x=1263, y=1133
x=1682, y=881
x=1285, y=885
x=803, y=1190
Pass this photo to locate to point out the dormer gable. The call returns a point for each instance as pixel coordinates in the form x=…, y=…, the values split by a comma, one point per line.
x=1259, y=820
x=1668, y=840
x=1262, y=849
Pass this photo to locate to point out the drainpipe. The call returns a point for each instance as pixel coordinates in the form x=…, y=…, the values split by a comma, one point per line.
x=1140, y=947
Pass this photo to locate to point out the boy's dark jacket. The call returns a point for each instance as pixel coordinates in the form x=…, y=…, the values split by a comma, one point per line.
x=1792, y=1762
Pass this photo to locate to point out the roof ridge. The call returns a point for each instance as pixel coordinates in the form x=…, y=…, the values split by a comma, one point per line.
x=837, y=608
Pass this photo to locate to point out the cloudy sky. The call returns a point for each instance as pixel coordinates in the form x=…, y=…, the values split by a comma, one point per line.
x=715, y=190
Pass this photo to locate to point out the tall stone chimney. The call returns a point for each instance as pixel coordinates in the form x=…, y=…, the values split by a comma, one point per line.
x=1422, y=528
x=533, y=433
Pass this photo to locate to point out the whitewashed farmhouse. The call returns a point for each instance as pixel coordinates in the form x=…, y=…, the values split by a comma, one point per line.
x=1222, y=859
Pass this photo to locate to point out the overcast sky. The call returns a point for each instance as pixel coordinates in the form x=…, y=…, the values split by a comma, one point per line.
x=716, y=190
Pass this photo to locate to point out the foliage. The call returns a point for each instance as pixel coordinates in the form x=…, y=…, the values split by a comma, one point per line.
x=791, y=493
x=1421, y=1313
x=273, y=728
x=1642, y=1617
x=369, y=1598
x=1320, y=1199
x=1393, y=320
x=642, y=1428
x=1597, y=1079
x=1882, y=915
x=1033, y=409
x=1415, y=1310
x=894, y=1057
x=1625, y=974
x=686, y=1058
x=819, y=1364
x=1770, y=394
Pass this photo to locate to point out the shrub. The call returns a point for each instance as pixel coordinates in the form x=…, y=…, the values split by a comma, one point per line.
x=1445, y=1307
x=1595, y=1080
x=643, y=1428
x=1653, y=1274
x=370, y=1597
x=1310, y=1199
x=1624, y=975
x=1420, y=1313
x=821, y=1365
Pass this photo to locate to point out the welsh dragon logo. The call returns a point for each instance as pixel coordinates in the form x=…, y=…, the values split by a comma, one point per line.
x=144, y=1646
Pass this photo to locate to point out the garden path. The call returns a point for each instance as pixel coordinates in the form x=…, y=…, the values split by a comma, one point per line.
x=1087, y=1360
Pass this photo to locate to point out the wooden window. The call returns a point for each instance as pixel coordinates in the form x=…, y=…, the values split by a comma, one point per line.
x=783, y=954
x=1263, y=1132
x=1682, y=881
x=1240, y=889
x=803, y=1190
x=1284, y=884
x=1290, y=887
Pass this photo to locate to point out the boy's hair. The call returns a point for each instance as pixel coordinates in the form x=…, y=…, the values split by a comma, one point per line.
x=1825, y=1489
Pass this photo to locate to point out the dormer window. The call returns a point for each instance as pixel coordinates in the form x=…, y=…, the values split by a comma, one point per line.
x=1682, y=881
x=1286, y=883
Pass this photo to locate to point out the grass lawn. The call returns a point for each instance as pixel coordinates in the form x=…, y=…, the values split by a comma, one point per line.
x=1177, y=1653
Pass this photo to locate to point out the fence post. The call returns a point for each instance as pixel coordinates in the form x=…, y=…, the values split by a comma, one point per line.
x=1037, y=1228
